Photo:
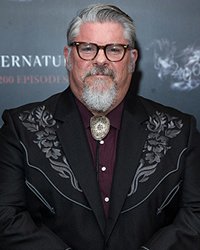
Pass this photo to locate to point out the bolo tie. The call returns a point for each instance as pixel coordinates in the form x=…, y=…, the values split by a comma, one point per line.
x=100, y=127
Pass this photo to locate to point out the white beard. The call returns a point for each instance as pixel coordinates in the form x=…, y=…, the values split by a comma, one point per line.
x=99, y=98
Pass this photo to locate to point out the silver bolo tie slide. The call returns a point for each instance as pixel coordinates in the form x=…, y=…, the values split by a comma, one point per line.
x=100, y=126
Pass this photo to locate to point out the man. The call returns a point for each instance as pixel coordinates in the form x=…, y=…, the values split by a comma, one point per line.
x=96, y=167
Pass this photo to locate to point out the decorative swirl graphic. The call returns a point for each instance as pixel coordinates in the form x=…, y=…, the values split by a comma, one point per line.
x=181, y=68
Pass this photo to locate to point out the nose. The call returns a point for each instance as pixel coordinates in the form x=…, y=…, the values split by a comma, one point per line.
x=101, y=57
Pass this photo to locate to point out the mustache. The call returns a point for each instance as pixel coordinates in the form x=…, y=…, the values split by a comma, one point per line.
x=100, y=70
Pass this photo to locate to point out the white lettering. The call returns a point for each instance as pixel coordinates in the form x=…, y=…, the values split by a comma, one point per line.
x=54, y=61
x=46, y=60
x=15, y=61
x=37, y=62
x=19, y=61
x=4, y=61
x=26, y=61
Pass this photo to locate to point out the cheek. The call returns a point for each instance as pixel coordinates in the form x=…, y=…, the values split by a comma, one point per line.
x=123, y=72
x=123, y=78
x=80, y=67
x=78, y=71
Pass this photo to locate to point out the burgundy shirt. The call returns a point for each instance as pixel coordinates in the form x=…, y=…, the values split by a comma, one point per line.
x=104, y=156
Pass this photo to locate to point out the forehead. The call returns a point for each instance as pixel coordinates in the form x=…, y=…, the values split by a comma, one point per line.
x=101, y=33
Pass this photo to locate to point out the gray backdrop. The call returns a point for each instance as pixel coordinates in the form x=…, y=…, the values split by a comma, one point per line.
x=33, y=36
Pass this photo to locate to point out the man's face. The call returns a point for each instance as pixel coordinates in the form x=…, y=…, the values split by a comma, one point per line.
x=100, y=84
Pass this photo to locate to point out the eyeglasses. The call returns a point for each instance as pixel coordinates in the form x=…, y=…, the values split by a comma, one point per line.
x=88, y=51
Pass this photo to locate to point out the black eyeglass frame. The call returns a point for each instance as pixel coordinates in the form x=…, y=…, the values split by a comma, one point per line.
x=125, y=47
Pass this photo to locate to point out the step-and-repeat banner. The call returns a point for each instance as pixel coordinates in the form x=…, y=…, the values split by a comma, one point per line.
x=33, y=35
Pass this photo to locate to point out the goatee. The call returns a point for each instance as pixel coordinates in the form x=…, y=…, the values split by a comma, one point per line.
x=99, y=98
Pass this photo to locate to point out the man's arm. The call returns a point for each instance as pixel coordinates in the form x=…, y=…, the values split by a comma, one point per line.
x=17, y=228
x=184, y=233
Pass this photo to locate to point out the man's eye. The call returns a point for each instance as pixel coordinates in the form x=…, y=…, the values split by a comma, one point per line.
x=87, y=49
x=114, y=50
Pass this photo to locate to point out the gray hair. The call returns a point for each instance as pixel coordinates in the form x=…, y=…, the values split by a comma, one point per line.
x=102, y=13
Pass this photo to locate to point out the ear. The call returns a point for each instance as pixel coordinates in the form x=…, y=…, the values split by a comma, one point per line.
x=134, y=54
x=67, y=51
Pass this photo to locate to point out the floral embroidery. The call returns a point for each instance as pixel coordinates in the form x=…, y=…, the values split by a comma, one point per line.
x=162, y=128
x=40, y=122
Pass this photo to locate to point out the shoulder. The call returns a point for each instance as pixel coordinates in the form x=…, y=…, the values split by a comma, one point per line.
x=152, y=107
x=49, y=105
x=29, y=106
x=167, y=118
x=32, y=116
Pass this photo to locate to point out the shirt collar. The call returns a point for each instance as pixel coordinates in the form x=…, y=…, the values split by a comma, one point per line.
x=114, y=116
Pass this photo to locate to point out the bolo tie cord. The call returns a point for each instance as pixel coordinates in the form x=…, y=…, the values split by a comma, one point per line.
x=97, y=159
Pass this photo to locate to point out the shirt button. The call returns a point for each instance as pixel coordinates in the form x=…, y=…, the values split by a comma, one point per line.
x=106, y=199
x=103, y=169
x=101, y=142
